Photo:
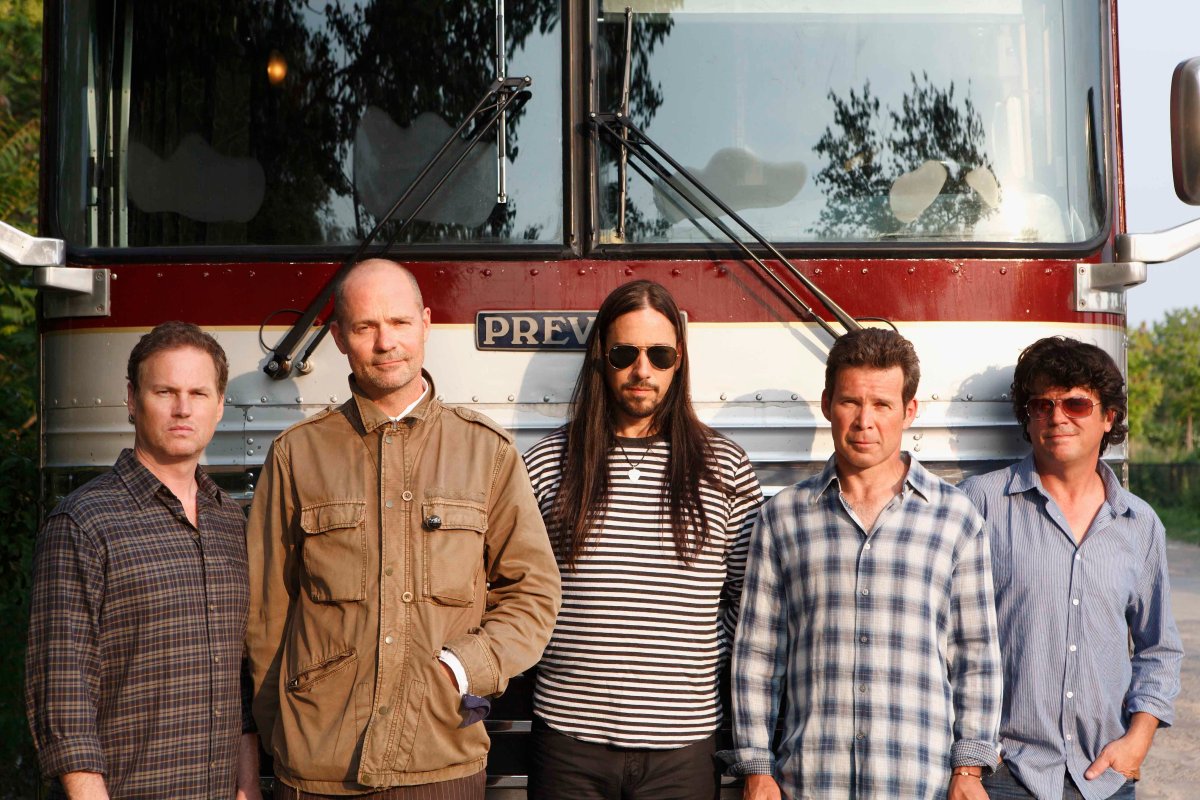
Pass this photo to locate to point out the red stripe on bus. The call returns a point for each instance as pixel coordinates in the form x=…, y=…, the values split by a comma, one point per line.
x=710, y=291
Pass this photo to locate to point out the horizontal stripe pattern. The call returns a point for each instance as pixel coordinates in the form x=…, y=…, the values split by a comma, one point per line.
x=641, y=636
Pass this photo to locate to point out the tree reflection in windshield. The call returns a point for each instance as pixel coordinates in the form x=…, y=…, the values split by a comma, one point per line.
x=919, y=170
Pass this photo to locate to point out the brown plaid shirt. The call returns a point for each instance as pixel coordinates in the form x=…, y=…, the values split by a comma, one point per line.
x=135, y=638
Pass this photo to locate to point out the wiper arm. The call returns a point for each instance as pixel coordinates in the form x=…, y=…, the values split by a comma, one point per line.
x=504, y=95
x=650, y=153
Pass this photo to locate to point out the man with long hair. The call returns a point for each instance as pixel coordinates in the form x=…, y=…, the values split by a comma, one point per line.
x=1081, y=572
x=649, y=511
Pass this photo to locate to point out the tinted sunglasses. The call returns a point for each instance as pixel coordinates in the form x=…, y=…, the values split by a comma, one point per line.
x=661, y=356
x=1074, y=407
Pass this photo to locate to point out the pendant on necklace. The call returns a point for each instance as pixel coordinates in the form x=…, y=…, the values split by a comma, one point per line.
x=635, y=474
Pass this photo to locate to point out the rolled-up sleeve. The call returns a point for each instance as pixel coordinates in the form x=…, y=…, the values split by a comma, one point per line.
x=1157, y=648
x=62, y=663
x=758, y=657
x=973, y=653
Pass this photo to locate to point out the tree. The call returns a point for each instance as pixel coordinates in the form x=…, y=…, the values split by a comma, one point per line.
x=20, y=63
x=1177, y=362
x=866, y=152
x=1145, y=386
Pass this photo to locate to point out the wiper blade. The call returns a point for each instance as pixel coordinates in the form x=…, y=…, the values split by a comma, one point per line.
x=504, y=95
x=619, y=126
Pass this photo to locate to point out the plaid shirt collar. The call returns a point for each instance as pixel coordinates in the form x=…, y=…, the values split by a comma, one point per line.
x=144, y=487
x=918, y=479
x=1026, y=478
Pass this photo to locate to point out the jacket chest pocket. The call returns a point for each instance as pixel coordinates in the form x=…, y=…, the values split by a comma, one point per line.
x=452, y=531
x=335, y=551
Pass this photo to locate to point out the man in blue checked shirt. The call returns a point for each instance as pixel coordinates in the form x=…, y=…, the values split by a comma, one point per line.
x=1080, y=571
x=868, y=603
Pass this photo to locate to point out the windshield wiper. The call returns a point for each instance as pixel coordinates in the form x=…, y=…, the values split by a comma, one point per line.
x=619, y=127
x=505, y=95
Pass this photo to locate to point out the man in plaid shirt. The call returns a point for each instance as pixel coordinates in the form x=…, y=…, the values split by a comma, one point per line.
x=132, y=677
x=868, y=603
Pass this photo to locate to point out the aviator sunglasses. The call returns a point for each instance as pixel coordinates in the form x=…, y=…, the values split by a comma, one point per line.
x=1074, y=407
x=661, y=356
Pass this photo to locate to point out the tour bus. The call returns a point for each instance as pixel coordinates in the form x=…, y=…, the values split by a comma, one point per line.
x=788, y=169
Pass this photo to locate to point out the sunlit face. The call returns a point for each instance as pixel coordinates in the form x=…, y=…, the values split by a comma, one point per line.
x=383, y=333
x=867, y=412
x=1060, y=439
x=176, y=406
x=640, y=388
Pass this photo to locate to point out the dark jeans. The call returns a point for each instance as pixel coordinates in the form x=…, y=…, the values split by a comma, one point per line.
x=565, y=768
x=1002, y=785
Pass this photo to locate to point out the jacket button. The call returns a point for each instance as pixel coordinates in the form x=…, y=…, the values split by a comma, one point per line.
x=407, y=597
x=383, y=711
x=433, y=522
x=406, y=497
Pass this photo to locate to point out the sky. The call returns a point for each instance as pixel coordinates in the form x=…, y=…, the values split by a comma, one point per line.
x=1154, y=36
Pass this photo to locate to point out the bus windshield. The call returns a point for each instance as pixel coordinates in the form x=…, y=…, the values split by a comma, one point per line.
x=257, y=122
x=862, y=120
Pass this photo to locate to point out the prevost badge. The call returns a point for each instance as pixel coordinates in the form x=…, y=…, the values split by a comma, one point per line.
x=532, y=330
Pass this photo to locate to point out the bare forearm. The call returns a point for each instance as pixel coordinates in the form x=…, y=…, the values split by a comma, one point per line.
x=248, y=782
x=84, y=786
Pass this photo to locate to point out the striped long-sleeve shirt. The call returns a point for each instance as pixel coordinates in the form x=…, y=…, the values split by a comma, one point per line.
x=884, y=642
x=1067, y=612
x=640, y=637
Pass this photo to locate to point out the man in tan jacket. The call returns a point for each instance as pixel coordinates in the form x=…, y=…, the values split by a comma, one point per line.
x=399, y=571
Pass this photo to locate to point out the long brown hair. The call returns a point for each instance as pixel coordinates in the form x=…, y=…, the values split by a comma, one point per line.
x=582, y=494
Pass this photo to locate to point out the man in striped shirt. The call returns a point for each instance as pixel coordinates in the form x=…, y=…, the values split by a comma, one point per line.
x=868, y=603
x=1080, y=572
x=649, y=511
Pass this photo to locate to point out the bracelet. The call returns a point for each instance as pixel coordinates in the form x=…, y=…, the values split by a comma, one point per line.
x=962, y=772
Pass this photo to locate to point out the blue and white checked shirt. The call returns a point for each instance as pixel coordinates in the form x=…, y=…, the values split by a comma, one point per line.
x=1067, y=614
x=884, y=643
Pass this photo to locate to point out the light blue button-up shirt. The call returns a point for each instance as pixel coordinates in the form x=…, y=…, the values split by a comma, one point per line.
x=1067, y=613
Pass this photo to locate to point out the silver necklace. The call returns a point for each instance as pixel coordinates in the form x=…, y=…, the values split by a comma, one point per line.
x=634, y=473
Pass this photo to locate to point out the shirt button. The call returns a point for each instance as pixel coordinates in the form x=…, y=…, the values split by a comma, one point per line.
x=866, y=592
x=1068, y=737
x=216, y=712
x=216, y=659
x=387, y=571
x=860, y=735
x=407, y=597
x=1070, y=695
x=1071, y=648
x=389, y=504
x=388, y=640
x=867, y=546
x=212, y=606
x=1078, y=557
x=213, y=764
x=1074, y=601
x=862, y=639
x=862, y=688
x=406, y=497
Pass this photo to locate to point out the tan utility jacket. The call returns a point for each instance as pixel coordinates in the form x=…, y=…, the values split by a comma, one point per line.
x=372, y=545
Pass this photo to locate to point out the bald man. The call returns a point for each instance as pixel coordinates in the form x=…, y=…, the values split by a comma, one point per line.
x=400, y=571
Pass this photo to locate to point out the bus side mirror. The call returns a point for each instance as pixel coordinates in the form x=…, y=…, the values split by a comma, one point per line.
x=1185, y=130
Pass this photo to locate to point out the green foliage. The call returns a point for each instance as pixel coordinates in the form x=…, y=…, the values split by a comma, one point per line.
x=1164, y=388
x=20, y=108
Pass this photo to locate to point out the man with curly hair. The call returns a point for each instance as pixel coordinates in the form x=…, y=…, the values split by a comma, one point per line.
x=1080, y=571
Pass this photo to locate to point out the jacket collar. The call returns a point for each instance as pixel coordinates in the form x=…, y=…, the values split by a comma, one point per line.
x=372, y=416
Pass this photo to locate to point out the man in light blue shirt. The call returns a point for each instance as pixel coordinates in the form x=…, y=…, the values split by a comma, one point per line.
x=1080, y=572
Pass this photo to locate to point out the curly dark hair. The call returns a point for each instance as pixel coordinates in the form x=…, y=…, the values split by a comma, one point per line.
x=1058, y=362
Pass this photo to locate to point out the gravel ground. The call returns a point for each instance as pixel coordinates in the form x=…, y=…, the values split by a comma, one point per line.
x=1172, y=770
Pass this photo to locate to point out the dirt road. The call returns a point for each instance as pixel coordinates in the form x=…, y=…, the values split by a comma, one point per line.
x=1172, y=770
